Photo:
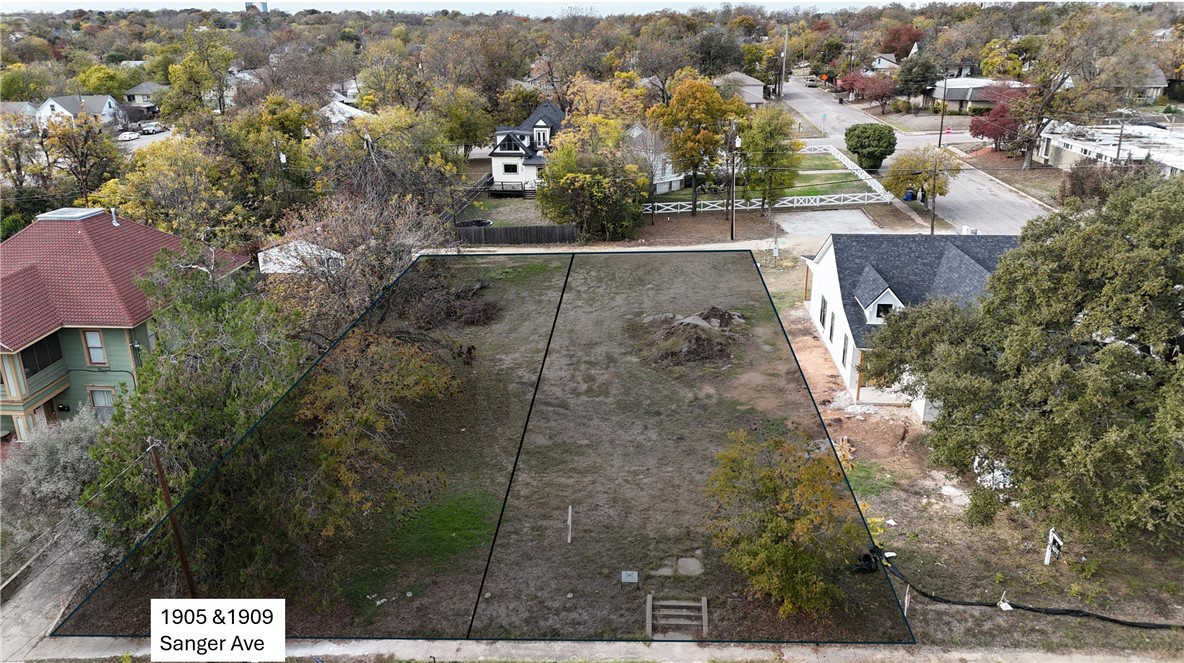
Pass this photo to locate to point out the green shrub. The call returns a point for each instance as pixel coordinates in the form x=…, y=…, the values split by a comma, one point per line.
x=11, y=225
x=984, y=504
x=978, y=111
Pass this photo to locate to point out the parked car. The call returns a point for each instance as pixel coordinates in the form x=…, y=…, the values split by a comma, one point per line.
x=127, y=135
x=152, y=128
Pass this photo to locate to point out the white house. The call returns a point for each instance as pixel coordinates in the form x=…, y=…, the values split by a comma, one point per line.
x=652, y=150
x=337, y=114
x=298, y=256
x=518, y=152
x=751, y=90
x=854, y=281
x=962, y=94
x=885, y=63
x=102, y=105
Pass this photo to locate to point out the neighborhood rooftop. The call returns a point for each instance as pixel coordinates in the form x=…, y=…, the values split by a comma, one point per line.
x=74, y=267
x=915, y=267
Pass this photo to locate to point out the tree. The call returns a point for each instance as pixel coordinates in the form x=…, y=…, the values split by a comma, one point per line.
x=591, y=182
x=927, y=168
x=621, y=98
x=770, y=152
x=880, y=89
x=783, y=516
x=1069, y=371
x=182, y=186
x=103, y=79
x=693, y=126
x=467, y=123
x=44, y=478
x=916, y=75
x=1090, y=182
x=222, y=356
x=19, y=81
x=870, y=143
x=900, y=40
x=82, y=149
x=998, y=126
x=1099, y=49
x=718, y=52
x=659, y=55
x=376, y=239
x=515, y=104
x=998, y=61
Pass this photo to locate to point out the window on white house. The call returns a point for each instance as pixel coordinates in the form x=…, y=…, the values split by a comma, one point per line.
x=844, y=350
x=831, y=338
x=822, y=312
x=882, y=310
x=510, y=169
x=103, y=401
x=96, y=354
x=540, y=137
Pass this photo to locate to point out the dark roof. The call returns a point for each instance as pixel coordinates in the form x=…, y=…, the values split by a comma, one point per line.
x=73, y=267
x=548, y=113
x=914, y=267
x=147, y=87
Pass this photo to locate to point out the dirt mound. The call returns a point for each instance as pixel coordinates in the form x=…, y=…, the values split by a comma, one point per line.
x=707, y=336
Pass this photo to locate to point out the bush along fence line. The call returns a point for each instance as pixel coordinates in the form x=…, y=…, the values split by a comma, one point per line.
x=568, y=234
x=878, y=193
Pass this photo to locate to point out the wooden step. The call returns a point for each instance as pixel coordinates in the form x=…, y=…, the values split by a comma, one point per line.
x=670, y=613
x=680, y=604
x=678, y=622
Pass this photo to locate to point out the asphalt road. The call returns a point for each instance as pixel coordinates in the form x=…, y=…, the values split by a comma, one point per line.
x=975, y=199
x=133, y=145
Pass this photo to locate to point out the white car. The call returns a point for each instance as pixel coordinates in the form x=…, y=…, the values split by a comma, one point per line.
x=128, y=135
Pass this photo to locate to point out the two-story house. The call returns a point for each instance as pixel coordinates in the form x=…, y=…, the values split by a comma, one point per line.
x=73, y=322
x=70, y=106
x=518, y=152
x=854, y=281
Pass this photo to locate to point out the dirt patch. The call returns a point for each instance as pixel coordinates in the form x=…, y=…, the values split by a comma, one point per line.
x=706, y=227
x=706, y=336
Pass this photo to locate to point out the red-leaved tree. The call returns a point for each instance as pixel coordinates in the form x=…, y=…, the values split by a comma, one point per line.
x=880, y=89
x=998, y=126
x=900, y=40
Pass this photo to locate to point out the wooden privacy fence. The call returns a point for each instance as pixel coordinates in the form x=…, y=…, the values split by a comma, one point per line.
x=520, y=235
x=877, y=195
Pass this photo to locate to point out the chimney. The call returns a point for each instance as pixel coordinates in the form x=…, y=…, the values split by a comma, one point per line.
x=114, y=221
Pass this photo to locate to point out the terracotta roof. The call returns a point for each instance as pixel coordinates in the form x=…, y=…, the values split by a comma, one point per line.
x=70, y=268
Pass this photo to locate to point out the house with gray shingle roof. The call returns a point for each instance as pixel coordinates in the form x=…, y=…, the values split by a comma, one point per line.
x=856, y=281
x=102, y=105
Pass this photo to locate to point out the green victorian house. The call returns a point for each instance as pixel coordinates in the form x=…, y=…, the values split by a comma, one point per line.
x=73, y=322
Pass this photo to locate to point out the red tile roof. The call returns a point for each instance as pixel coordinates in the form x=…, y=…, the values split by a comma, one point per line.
x=77, y=272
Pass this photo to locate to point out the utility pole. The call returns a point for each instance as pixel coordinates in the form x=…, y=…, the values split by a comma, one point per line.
x=933, y=199
x=784, y=57
x=168, y=504
x=735, y=149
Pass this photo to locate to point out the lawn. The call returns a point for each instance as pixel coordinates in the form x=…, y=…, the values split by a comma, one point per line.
x=807, y=184
x=820, y=162
x=563, y=407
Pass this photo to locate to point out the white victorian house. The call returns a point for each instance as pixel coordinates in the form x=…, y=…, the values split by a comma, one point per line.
x=855, y=281
x=519, y=152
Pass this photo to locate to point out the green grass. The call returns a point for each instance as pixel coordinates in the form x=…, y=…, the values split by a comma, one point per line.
x=821, y=162
x=868, y=479
x=814, y=184
x=451, y=527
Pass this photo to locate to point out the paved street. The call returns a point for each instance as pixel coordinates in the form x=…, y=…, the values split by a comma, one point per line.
x=133, y=145
x=975, y=199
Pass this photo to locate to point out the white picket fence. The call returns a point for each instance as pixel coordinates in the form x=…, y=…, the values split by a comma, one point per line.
x=877, y=195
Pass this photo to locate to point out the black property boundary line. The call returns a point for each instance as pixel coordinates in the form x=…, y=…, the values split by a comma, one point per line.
x=818, y=413
x=379, y=299
x=521, y=441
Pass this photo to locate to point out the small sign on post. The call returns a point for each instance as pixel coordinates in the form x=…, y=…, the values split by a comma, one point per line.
x=1053, y=550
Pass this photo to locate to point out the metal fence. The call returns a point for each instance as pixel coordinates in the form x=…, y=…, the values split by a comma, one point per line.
x=520, y=235
x=877, y=195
